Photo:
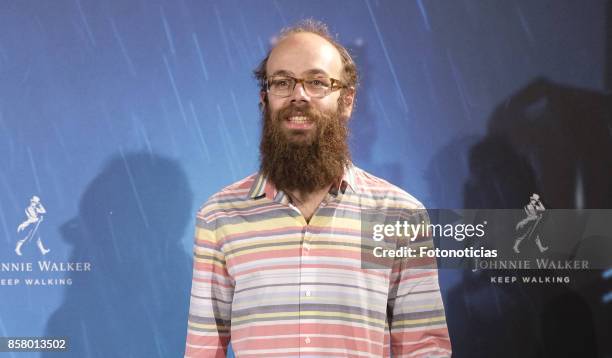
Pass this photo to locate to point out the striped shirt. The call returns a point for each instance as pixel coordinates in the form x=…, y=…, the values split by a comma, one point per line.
x=278, y=286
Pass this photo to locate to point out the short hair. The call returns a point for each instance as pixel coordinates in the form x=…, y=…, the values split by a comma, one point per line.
x=350, y=75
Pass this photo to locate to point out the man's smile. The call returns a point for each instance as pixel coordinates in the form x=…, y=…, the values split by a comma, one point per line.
x=298, y=122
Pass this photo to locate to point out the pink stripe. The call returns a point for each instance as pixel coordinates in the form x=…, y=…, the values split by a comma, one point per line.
x=291, y=253
x=418, y=276
x=263, y=255
x=321, y=266
x=244, y=213
x=255, y=233
x=349, y=343
x=308, y=328
x=217, y=283
x=413, y=336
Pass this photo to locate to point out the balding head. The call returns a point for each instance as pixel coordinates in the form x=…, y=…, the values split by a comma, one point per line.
x=302, y=53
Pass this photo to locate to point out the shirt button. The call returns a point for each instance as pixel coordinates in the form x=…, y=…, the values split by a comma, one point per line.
x=307, y=340
x=308, y=293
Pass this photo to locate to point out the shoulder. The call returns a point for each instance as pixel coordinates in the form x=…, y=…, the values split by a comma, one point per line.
x=383, y=192
x=228, y=197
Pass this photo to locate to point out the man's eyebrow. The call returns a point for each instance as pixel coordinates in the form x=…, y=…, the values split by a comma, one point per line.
x=283, y=73
x=314, y=71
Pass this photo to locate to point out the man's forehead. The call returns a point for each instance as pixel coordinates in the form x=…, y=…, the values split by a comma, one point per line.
x=304, y=53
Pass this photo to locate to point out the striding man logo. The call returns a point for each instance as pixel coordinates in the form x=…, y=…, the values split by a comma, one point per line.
x=529, y=227
x=31, y=226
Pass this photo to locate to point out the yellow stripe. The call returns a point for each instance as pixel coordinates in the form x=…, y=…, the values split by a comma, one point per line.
x=421, y=320
x=204, y=326
x=251, y=242
x=306, y=314
x=287, y=247
x=232, y=229
x=286, y=222
x=260, y=181
x=314, y=299
x=340, y=240
x=209, y=261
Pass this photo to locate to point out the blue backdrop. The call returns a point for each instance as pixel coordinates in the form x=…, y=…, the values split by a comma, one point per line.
x=124, y=116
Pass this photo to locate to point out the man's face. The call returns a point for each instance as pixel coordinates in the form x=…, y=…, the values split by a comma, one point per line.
x=304, y=139
x=303, y=55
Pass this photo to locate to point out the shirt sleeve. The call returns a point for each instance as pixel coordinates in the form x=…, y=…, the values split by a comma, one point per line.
x=417, y=320
x=212, y=289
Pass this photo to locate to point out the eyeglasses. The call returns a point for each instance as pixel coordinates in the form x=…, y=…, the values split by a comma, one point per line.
x=316, y=86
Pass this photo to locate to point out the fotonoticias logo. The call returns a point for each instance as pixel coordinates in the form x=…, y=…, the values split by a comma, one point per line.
x=35, y=214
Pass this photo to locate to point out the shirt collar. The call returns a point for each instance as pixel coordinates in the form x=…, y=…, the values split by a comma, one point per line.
x=262, y=187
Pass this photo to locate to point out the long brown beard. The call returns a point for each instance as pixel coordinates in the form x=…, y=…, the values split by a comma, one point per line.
x=310, y=163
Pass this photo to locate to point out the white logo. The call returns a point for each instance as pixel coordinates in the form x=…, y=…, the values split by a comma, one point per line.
x=35, y=215
x=528, y=227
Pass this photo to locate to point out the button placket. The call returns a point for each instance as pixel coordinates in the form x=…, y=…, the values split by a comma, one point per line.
x=302, y=294
x=306, y=243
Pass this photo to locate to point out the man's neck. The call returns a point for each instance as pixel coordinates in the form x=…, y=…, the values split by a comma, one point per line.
x=308, y=202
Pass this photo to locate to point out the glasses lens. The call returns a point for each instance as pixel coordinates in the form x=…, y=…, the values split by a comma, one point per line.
x=317, y=87
x=281, y=86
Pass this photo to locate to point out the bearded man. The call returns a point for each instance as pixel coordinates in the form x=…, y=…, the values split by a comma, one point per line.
x=277, y=260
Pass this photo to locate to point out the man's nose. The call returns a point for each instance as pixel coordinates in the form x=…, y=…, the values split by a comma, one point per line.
x=299, y=94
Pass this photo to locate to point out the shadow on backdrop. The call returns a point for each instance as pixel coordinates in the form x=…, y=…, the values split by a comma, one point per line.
x=363, y=123
x=556, y=141
x=134, y=302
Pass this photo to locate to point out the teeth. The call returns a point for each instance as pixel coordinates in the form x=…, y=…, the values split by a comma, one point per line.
x=299, y=119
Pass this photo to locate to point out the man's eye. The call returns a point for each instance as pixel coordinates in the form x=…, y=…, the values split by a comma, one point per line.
x=318, y=83
x=280, y=83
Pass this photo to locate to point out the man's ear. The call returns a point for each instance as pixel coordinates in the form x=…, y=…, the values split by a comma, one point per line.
x=348, y=101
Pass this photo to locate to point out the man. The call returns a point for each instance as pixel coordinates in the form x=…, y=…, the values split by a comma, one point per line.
x=34, y=212
x=277, y=262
